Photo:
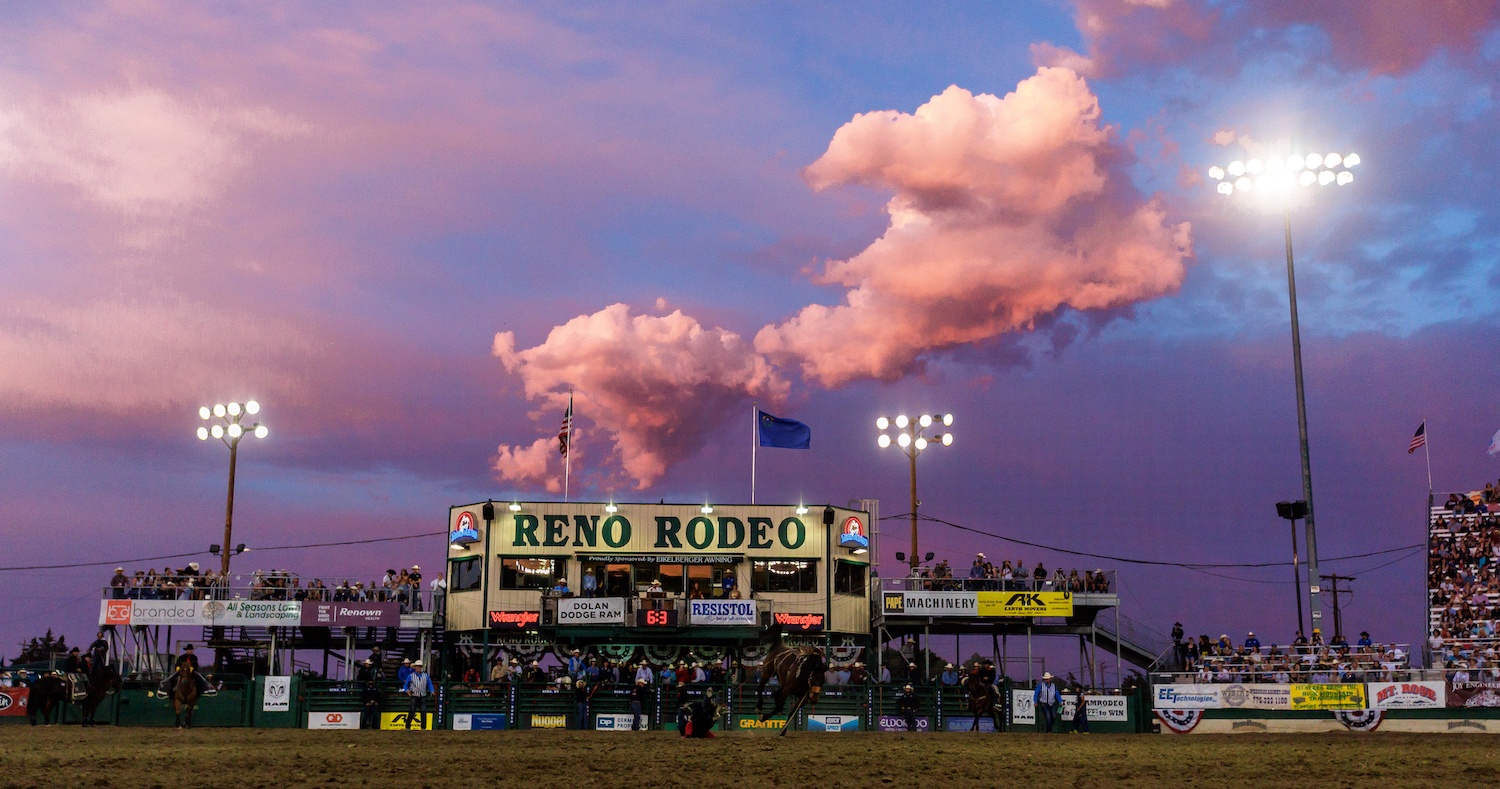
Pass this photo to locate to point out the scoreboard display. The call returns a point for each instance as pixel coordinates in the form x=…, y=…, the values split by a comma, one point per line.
x=649, y=617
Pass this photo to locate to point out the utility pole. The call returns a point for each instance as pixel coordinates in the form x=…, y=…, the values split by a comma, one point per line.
x=1338, y=620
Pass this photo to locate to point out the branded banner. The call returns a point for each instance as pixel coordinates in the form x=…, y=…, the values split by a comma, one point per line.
x=1328, y=697
x=1025, y=604
x=930, y=603
x=1407, y=695
x=591, y=611
x=966, y=722
x=721, y=612
x=1473, y=694
x=351, y=614
x=278, y=695
x=153, y=612
x=1113, y=709
x=898, y=723
x=13, y=700
x=479, y=721
x=549, y=721
x=333, y=720
x=833, y=723
x=613, y=722
x=397, y=720
x=754, y=723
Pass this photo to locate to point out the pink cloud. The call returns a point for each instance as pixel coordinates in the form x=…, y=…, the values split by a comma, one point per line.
x=656, y=386
x=1379, y=36
x=1006, y=210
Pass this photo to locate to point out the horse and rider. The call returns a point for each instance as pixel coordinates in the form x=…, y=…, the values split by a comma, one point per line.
x=984, y=696
x=85, y=680
x=184, y=686
x=798, y=673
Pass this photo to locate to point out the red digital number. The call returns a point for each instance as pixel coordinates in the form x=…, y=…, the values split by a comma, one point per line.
x=656, y=617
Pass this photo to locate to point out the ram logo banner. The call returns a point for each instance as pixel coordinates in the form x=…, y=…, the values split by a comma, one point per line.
x=333, y=720
x=278, y=695
x=833, y=723
x=478, y=721
x=465, y=529
x=1025, y=604
x=397, y=720
x=721, y=612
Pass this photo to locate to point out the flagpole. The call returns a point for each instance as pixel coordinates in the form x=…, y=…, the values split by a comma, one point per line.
x=568, y=458
x=754, y=434
x=1428, y=453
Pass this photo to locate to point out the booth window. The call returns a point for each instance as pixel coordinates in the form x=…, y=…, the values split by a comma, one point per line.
x=849, y=578
x=541, y=574
x=784, y=575
x=463, y=574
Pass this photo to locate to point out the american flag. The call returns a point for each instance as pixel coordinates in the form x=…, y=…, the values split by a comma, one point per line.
x=566, y=430
x=1419, y=440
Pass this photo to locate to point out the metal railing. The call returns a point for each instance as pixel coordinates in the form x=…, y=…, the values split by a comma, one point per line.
x=1301, y=675
x=413, y=600
x=965, y=584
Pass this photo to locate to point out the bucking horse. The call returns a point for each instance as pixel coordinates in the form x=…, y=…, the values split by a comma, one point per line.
x=984, y=697
x=798, y=673
x=51, y=694
x=104, y=680
x=185, y=696
x=48, y=696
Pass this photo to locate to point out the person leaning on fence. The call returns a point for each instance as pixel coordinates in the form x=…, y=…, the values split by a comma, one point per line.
x=640, y=698
x=1046, y=700
x=583, y=697
x=418, y=687
x=369, y=696
x=907, y=704
x=1081, y=714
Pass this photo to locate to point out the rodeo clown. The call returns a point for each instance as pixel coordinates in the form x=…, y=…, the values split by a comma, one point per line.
x=697, y=718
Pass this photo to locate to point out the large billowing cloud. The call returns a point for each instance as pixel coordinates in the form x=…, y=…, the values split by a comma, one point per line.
x=1006, y=211
x=1379, y=36
x=656, y=385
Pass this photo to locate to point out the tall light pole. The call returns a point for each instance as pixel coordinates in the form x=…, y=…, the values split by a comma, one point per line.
x=1279, y=178
x=225, y=425
x=910, y=440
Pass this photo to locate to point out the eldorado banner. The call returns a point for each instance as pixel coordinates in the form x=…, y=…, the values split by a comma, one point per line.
x=1328, y=697
x=1025, y=604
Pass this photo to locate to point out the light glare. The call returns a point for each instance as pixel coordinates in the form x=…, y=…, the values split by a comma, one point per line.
x=902, y=421
x=884, y=441
x=1236, y=168
x=204, y=413
x=1314, y=161
x=1295, y=162
x=882, y=423
x=1351, y=160
x=1307, y=178
x=217, y=431
x=1255, y=167
x=904, y=440
x=252, y=408
x=1332, y=160
x=1216, y=172
x=1226, y=188
x=1325, y=178
x=947, y=419
x=202, y=434
x=947, y=439
x=1243, y=184
x=1345, y=178
x=261, y=431
x=234, y=409
x=925, y=421
x=921, y=444
x=219, y=409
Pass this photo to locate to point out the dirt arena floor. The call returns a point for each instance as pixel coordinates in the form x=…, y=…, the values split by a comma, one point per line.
x=146, y=758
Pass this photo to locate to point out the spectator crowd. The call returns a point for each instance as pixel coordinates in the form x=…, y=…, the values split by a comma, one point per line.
x=1463, y=586
x=1208, y=661
x=191, y=583
x=984, y=575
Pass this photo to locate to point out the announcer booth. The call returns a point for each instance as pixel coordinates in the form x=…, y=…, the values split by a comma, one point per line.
x=660, y=582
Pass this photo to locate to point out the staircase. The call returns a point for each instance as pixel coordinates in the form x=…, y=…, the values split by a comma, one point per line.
x=1139, y=644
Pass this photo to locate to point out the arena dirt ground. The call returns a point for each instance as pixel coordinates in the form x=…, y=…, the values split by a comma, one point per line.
x=145, y=758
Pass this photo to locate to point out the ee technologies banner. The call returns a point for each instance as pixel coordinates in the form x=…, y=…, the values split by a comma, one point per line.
x=998, y=604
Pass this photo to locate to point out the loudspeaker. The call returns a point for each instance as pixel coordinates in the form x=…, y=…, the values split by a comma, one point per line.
x=488, y=511
x=828, y=516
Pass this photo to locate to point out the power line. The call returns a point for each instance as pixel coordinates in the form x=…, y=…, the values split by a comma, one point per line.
x=139, y=560
x=1153, y=562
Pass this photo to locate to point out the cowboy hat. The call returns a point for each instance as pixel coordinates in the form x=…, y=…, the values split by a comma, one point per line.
x=416, y=663
x=908, y=687
x=1046, y=675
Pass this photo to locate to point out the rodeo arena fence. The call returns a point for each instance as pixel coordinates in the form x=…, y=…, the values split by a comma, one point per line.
x=537, y=593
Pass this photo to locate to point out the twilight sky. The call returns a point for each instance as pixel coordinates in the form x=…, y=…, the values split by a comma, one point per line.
x=407, y=232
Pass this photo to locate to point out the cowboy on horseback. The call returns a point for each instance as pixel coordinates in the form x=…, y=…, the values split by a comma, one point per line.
x=187, y=658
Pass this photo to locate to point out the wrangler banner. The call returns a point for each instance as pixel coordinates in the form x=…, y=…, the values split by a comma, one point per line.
x=1025, y=604
x=1328, y=697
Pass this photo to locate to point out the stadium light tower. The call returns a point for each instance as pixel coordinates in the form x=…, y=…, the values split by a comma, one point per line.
x=1279, y=180
x=911, y=441
x=225, y=424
